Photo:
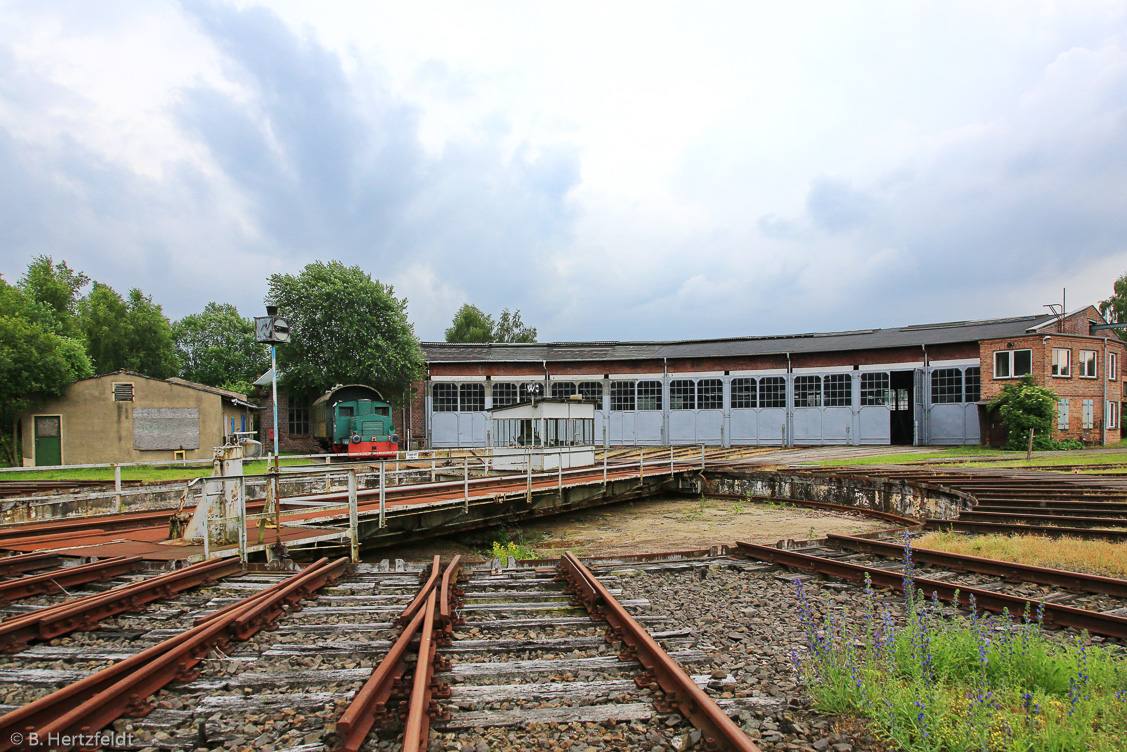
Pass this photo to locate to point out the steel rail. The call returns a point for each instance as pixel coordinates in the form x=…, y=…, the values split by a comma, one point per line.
x=421, y=597
x=1017, y=515
x=421, y=707
x=1089, y=583
x=876, y=513
x=987, y=600
x=92, y=703
x=20, y=563
x=1049, y=531
x=265, y=612
x=85, y=612
x=1085, y=507
x=695, y=705
x=57, y=580
x=448, y=603
x=369, y=705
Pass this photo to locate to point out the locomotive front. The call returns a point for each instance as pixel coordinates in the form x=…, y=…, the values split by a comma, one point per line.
x=356, y=420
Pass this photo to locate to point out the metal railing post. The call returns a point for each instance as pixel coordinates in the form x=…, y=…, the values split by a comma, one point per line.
x=641, y=464
x=528, y=467
x=242, y=502
x=117, y=488
x=353, y=516
x=466, y=481
x=433, y=461
x=605, y=455
x=559, y=470
x=702, y=456
x=206, y=539
x=671, y=460
x=383, y=495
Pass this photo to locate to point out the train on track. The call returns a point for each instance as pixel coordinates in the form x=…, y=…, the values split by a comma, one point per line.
x=354, y=419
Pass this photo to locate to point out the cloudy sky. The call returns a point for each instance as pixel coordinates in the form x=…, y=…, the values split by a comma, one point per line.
x=615, y=170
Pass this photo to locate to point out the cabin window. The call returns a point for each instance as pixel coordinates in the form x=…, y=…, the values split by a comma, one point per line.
x=772, y=391
x=972, y=382
x=622, y=395
x=472, y=397
x=445, y=397
x=743, y=393
x=563, y=389
x=808, y=391
x=297, y=418
x=592, y=390
x=946, y=386
x=839, y=390
x=682, y=394
x=504, y=394
x=874, y=389
x=649, y=395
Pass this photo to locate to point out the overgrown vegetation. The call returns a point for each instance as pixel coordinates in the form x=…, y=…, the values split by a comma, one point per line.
x=941, y=680
x=1025, y=407
x=1093, y=557
x=514, y=543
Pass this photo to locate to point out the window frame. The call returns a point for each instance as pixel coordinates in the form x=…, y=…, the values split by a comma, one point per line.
x=683, y=394
x=947, y=386
x=1011, y=363
x=564, y=389
x=477, y=389
x=875, y=396
x=655, y=398
x=1062, y=370
x=809, y=386
x=972, y=374
x=503, y=387
x=584, y=390
x=621, y=393
x=837, y=390
x=1083, y=362
x=743, y=393
x=772, y=392
x=1113, y=366
x=447, y=403
x=297, y=415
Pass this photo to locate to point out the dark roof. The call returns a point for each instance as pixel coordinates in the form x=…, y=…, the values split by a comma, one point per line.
x=860, y=339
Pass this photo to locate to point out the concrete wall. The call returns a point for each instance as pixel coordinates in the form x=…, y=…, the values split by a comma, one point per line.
x=877, y=494
x=95, y=428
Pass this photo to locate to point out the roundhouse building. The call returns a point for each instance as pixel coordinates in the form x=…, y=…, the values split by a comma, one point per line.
x=924, y=384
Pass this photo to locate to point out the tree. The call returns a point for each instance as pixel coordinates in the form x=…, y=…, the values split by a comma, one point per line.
x=35, y=363
x=345, y=328
x=217, y=347
x=1023, y=406
x=134, y=335
x=470, y=325
x=54, y=290
x=1114, y=309
x=510, y=328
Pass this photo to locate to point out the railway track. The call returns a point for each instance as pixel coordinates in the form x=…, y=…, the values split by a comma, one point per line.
x=211, y=668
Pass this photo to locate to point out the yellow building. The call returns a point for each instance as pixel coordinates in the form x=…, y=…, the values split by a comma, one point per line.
x=127, y=417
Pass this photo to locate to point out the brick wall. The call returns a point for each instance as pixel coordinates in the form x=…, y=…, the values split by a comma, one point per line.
x=286, y=443
x=1074, y=388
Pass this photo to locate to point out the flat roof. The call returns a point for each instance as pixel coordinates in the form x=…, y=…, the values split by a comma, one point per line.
x=814, y=342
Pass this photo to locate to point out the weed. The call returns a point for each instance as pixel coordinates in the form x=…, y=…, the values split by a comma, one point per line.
x=944, y=680
x=506, y=544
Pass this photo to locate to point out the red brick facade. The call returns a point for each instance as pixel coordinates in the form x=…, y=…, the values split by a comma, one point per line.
x=1072, y=336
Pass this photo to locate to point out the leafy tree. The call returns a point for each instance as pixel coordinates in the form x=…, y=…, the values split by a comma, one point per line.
x=121, y=334
x=345, y=327
x=470, y=325
x=1114, y=309
x=1023, y=406
x=217, y=347
x=510, y=328
x=35, y=363
x=150, y=349
x=54, y=289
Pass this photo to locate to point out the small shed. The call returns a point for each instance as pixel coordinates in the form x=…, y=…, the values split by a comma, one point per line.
x=550, y=433
x=129, y=417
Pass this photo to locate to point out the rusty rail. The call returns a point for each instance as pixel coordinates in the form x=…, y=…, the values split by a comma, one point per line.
x=57, y=580
x=84, y=613
x=97, y=700
x=695, y=705
x=987, y=600
x=10, y=565
x=369, y=706
x=1090, y=583
x=1049, y=531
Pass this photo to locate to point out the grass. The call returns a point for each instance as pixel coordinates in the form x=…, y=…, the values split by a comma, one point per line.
x=945, y=681
x=1093, y=557
x=149, y=473
x=1076, y=457
x=907, y=457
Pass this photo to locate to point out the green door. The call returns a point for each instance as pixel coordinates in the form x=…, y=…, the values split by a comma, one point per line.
x=48, y=440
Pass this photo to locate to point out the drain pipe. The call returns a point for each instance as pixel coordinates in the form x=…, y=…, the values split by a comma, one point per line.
x=665, y=403
x=789, y=411
x=1103, y=423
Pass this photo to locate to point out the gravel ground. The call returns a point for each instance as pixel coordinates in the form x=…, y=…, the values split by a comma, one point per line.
x=747, y=623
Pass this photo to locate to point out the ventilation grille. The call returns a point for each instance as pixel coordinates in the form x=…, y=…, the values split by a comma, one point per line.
x=123, y=392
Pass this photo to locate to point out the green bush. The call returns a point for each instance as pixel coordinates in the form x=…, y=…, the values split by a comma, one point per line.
x=1023, y=406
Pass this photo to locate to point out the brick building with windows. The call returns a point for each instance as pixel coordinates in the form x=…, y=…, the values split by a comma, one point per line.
x=925, y=384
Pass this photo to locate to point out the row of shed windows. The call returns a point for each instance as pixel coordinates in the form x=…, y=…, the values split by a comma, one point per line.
x=1012, y=364
x=949, y=385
